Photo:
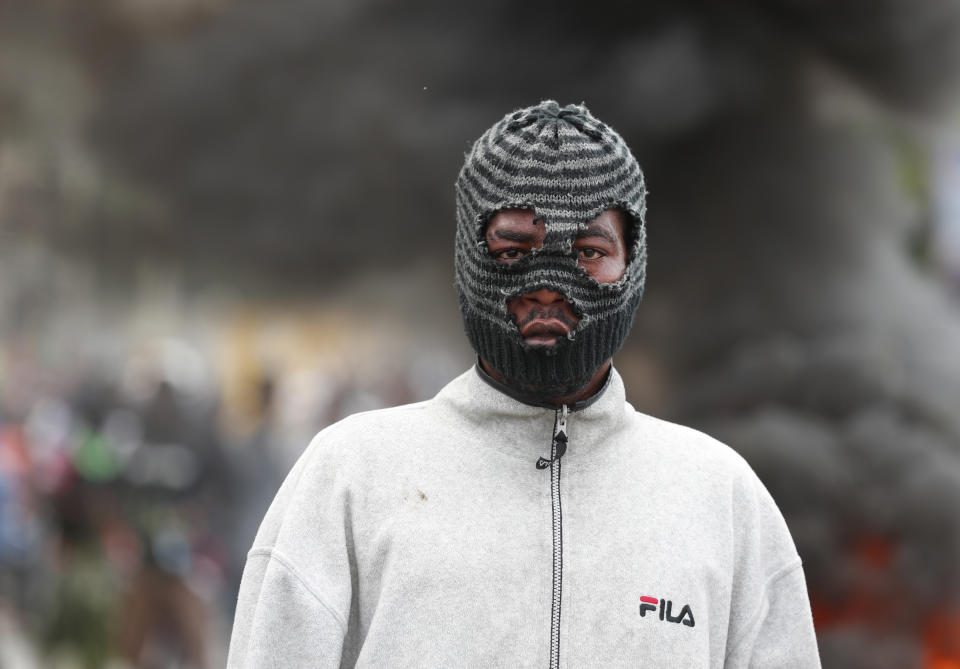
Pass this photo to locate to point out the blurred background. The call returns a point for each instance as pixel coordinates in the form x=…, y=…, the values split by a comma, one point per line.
x=225, y=224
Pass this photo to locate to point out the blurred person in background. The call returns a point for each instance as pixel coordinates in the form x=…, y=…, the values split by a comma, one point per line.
x=115, y=564
x=255, y=476
x=447, y=533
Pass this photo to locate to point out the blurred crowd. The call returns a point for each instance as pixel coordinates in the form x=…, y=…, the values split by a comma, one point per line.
x=126, y=509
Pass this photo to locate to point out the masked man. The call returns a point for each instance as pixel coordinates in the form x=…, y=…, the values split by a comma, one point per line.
x=527, y=515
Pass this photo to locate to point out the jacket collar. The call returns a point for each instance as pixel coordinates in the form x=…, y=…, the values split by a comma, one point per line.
x=484, y=408
x=520, y=397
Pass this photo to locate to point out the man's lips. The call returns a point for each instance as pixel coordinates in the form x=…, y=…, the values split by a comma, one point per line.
x=544, y=331
x=544, y=326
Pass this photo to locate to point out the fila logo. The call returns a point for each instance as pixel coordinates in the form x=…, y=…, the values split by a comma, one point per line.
x=666, y=610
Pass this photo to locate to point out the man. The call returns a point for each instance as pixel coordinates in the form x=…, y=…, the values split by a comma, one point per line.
x=527, y=515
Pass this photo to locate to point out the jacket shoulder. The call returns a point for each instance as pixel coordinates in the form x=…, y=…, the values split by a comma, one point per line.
x=703, y=463
x=686, y=447
x=376, y=427
x=361, y=447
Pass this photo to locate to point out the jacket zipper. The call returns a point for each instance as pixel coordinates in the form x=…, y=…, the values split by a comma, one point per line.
x=558, y=447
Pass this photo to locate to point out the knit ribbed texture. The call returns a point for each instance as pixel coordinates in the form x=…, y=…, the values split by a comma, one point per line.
x=568, y=167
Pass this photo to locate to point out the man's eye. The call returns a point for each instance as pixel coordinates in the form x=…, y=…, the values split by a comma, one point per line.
x=509, y=255
x=590, y=253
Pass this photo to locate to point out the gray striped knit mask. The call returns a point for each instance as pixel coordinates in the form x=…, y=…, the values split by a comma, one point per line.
x=568, y=167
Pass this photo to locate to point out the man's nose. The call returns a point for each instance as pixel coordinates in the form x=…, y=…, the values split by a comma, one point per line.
x=545, y=296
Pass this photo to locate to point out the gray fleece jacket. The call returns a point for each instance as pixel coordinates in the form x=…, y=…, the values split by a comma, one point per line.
x=473, y=530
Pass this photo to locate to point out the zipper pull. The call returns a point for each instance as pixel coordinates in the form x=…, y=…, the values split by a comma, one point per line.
x=560, y=432
x=559, y=445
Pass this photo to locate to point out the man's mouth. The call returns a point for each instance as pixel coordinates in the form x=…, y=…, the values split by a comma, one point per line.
x=543, y=331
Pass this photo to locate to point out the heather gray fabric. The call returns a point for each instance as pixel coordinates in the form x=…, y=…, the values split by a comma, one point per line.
x=420, y=536
x=568, y=167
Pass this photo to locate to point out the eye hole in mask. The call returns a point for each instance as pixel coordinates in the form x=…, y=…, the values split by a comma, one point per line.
x=600, y=246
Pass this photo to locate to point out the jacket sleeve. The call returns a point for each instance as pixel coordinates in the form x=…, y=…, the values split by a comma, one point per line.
x=781, y=632
x=296, y=590
x=281, y=621
x=770, y=620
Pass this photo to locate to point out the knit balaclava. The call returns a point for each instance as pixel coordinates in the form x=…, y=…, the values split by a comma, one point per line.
x=568, y=167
